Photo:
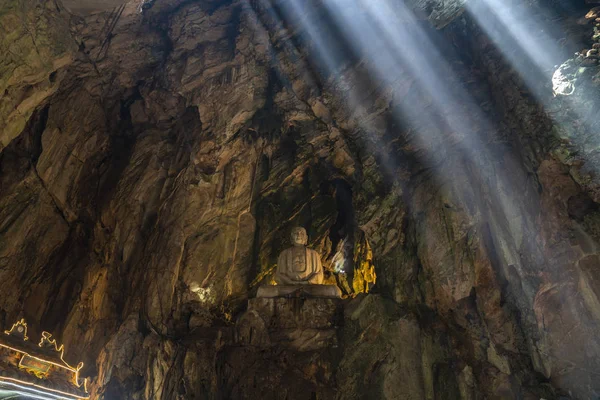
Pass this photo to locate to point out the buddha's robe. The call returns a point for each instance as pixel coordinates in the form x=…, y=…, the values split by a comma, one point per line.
x=297, y=267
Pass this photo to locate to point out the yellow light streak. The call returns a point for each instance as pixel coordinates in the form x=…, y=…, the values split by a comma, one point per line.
x=37, y=372
x=47, y=340
x=16, y=326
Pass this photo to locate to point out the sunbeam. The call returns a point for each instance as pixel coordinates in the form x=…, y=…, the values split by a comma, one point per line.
x=536, y=50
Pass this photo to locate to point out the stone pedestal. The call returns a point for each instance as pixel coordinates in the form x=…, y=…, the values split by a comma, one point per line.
x=302, y=324
x=312, y=291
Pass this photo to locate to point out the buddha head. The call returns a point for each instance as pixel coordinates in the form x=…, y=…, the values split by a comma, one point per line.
x=298, y=236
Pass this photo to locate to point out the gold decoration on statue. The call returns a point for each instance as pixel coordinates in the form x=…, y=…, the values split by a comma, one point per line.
x=364, y=269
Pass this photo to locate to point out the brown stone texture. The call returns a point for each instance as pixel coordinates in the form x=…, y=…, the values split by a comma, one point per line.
x=152, y=162
x=301, y=324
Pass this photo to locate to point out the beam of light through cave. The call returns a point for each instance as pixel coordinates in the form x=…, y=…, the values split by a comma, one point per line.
x=389, y=46
x=404, y=49
x=525, y=41
x=380, y=63
x=537, y=51
x=410, y=47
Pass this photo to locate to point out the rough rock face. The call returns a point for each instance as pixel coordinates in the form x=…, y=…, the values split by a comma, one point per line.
x=36, y=42
x=84, y=7
x=152, y=163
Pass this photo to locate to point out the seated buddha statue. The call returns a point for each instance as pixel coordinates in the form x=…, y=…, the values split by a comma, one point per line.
x=299, y=270
x=299, y=265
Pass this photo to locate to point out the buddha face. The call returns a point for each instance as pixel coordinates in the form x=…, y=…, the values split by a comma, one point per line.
x=299, y=237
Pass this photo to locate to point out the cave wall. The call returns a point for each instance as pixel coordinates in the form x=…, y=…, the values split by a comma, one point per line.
x=152, y=163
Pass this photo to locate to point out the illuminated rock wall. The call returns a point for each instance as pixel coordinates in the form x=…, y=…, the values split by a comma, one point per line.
x=158, y=160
